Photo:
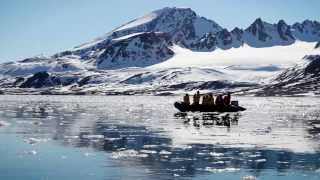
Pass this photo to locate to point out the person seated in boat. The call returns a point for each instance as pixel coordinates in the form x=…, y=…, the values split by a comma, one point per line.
x=186, y=99
x=207, y=99
x=227, y=99
x=210, y=99
x=196, y=98
x=204, y=99
x=219, y=101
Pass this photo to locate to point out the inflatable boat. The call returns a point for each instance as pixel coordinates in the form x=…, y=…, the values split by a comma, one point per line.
x=183, y=107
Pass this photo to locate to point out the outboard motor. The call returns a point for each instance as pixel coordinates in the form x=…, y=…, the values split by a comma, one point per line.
x=234, y=103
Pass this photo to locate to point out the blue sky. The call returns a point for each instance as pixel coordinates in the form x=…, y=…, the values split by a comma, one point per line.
x=34, y=27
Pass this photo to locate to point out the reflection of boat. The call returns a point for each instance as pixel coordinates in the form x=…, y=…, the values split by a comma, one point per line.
x=209, y=119
x=181, y=106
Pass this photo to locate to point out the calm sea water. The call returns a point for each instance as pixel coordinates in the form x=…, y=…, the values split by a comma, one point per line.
x=143, y=137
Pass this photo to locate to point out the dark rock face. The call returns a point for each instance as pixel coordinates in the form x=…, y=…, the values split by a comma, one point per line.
x=257, y=28
x=139, y=51
x=284, y=31
x=237, y=33
x=64, y=53
x=213, y=85
x=93, y=79
x=206, y=43
x=225, y=39
x=139, y=78
x=84, y=81
x=43, y=79
x=38, y=80
x=18, y=81
x=313, y=67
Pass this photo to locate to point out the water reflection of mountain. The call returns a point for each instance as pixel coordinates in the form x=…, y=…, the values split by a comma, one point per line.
x=138, y=144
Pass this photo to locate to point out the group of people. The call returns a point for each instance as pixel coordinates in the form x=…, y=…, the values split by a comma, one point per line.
x=208, y=99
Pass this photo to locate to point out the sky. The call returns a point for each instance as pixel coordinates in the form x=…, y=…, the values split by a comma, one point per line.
x=44, y=27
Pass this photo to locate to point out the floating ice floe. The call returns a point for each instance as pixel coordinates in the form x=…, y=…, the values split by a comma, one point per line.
x=112, y=139
x=216, y=154
x=71, y=137
x=35, y=140
x=284, y=162
x=87, y=154
x=4, y=123
x=127, y=154
x=249, y=178
x=254, y=155
x=148, y=151
x=24, y=122
x=216, y=170
x=219, y=162
x=32, y=152
x=93, y=136
x=261, y=160
x=150, y=146
x=164, y=152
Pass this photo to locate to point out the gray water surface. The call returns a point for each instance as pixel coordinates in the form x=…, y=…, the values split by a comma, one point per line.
x=144, y=137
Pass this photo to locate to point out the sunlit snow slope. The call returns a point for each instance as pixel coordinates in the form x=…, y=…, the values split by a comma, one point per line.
x=242, y=64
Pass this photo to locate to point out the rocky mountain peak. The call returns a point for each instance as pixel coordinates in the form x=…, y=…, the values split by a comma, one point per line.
x=258, y=31
x=172, y=10
x=284, y=31
x=258, y=21
x=237, y=30
x=237, y=33
x=307, y=30
x=281, y=22
x=256, y=27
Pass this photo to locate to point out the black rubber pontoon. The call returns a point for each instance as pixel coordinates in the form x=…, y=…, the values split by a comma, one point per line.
x=181, y=106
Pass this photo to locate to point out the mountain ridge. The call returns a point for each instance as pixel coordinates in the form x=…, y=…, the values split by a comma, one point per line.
x=189, y=30
x=183, y=27
x=122, y=56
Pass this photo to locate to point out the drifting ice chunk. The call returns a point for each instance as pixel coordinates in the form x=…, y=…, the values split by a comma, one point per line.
x=248, y=178
x=35, y=140
x=32, y=152
x=4, y=123
x=93, y=136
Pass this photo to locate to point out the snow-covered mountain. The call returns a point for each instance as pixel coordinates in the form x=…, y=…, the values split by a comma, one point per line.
x=133, y=40
x=167, y=50
x=147, y=40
